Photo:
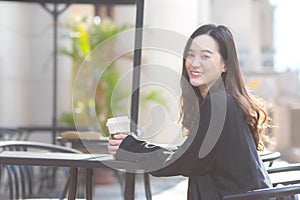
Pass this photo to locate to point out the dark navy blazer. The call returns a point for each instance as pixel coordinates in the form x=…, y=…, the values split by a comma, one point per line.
x=219, y=156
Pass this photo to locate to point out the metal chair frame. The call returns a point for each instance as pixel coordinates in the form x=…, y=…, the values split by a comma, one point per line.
x=20, y=177
x=271, y=157
x=278, y=192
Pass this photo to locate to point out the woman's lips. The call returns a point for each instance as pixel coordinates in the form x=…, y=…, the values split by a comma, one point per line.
x=195, y=74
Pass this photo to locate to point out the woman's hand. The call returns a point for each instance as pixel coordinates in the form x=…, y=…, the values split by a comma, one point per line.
x=114, y=143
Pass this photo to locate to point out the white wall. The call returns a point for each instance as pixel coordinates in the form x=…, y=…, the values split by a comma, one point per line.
x=237, y=16
x=26, y=66
x=15, y=62
x=1, y=61
x=176, y=15
x=42, y=48
x=251, y=23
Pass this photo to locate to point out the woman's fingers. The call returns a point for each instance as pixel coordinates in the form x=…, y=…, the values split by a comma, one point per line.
x=120, y=136
x=113, y=149
x=114, y=143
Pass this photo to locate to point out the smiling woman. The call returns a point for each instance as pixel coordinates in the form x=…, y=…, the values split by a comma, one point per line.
x=222, y=120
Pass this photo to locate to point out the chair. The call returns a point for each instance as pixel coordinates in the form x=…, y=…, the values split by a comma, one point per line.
x=280, y=193
x=289, y=174
x=270, y=157
x=285, y=179
x=8, y=133
x=19, y=179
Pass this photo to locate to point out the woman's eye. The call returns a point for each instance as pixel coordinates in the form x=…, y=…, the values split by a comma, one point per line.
x=205, y=56
x=190, y=57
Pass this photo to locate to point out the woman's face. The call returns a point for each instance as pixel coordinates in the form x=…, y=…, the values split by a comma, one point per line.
x=204, y=63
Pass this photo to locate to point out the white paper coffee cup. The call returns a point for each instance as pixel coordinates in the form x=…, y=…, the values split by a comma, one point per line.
x=118, y=125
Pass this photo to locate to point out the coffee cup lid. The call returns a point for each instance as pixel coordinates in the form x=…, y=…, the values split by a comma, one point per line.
x=117, y=120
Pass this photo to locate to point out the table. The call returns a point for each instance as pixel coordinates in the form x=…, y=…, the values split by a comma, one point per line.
x=73, y=161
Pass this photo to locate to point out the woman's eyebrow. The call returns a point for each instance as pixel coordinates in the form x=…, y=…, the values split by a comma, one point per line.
x=191, y=50
x=207, y=51
x=202, y=51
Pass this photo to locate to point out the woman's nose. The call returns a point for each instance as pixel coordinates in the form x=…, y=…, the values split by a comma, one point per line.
x=196, y=61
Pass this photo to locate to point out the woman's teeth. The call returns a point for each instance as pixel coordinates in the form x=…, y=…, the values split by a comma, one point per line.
x=196, y=73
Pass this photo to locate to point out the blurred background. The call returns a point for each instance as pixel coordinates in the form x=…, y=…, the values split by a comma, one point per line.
x=266, y=34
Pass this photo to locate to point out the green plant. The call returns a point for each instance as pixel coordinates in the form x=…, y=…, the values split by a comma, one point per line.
x=85, y=35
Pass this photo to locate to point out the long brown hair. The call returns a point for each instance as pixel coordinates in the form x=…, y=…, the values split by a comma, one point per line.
x=254, y=112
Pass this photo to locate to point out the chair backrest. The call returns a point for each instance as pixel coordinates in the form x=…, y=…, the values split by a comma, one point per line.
x=19, y=179
x=284, y=192
x=270, y=157
x=7, y=133
x=85, y=141
x=29, y=145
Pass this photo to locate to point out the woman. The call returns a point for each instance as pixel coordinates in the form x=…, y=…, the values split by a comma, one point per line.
x=224, y=124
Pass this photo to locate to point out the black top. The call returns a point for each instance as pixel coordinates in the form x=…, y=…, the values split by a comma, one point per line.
x=219, y=156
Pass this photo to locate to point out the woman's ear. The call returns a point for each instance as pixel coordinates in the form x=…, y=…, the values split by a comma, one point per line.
x=225, y=69
x=225, y=66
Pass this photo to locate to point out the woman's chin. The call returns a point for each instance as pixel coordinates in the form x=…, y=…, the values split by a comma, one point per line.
x=196, y=83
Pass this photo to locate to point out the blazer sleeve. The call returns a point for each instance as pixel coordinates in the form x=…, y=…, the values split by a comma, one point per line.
x=184, y=161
